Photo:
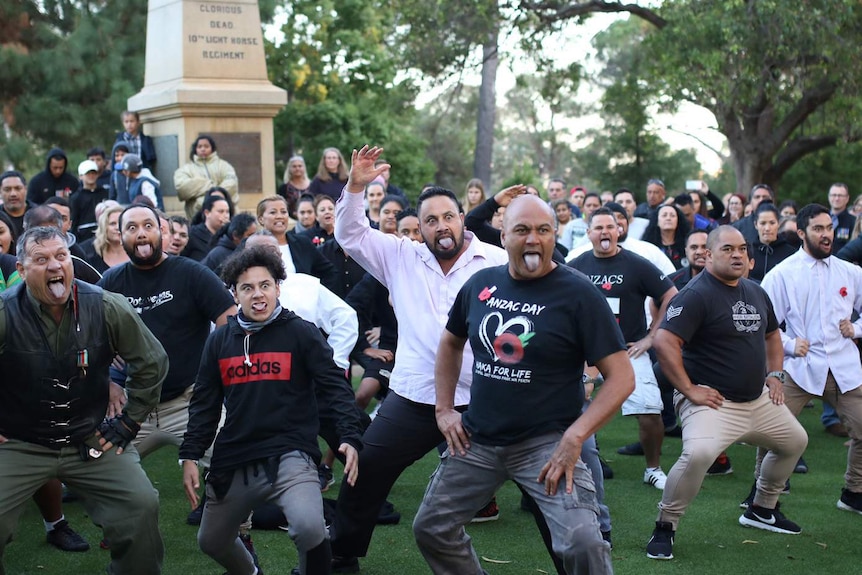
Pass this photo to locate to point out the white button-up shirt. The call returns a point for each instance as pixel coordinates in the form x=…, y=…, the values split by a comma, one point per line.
x=303, y=295
x=421, y=295
x=812, y=296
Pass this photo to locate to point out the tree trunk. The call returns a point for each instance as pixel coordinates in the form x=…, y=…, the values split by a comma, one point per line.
x=751, y=168
x=483, y=155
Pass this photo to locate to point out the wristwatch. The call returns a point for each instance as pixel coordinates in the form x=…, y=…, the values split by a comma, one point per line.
x=779, y=375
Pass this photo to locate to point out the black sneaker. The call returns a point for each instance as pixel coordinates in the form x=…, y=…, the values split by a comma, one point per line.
x=749, y=500
x=194, y=518
x=488, y=513
x=387, y=514
x=850, y=501
x=249, y=546
x=631, y=449
x=607, y=472
x=339, y=565
x=801, y=466
x=64, y=538
x=345, y=564
x=660, y=545
x=720, y=466
x=324, y=473
x=606, y=535
x=769, y=520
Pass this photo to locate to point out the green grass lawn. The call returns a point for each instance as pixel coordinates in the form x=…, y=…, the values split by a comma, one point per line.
x=709, y=541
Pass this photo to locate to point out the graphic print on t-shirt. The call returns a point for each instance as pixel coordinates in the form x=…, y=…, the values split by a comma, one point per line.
x=745, y=317
x=148, y=303
x=506, y=339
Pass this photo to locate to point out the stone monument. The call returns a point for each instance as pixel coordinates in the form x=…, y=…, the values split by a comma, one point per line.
x=206, y=74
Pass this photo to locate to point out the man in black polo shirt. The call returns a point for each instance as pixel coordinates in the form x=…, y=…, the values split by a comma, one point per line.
x=715, y=345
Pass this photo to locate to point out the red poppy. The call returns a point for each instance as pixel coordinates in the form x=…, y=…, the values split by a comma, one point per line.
x=843, y=292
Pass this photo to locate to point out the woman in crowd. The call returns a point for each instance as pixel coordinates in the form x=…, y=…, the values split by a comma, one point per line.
x=374, y=193
x=771, y=248
x=108, y=248
x=297, y=252
x=702, y=200
x=204, y=171
x=473, y=196
x=331, y=175
x=788, y=208
x=228, y=238
x=216, y=213
x=324, y=229
x=295, y=184
x=735, y=209
x=668, y=229
x=221, y=193
x=7, y=234
x=571, y=230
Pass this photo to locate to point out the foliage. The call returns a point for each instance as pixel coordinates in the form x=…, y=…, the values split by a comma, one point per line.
x=446, y=125
x=68, y=69
x=533, y=123
x=626, y=151
x=338, y=62
x=809, y=180
x=780, y=77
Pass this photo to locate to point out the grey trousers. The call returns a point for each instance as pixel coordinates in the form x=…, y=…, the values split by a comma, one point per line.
x=115, y=492
x=461, y=485
x=296, y=491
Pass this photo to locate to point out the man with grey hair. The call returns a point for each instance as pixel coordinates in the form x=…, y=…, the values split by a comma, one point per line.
x=52, y=422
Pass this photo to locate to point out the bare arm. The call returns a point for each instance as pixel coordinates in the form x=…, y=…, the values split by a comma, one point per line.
x=668, y=348
x=447, y=368
x=775, y=362
x=639, y=348
x=619, y=383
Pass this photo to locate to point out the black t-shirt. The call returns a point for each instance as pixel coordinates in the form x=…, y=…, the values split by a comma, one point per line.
x=626, y=280
x=529, y=340
x=177, y=300
x=724, y=329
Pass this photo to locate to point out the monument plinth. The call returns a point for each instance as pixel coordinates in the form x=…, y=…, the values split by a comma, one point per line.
x=206, y=74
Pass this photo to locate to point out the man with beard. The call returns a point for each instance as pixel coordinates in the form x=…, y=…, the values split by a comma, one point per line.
x=423, y=280
x=177, y=298
x=816, y=294
x=57, y=338
x=529, y=358
x=13, y=194
x=627, y=280
x=720, y=347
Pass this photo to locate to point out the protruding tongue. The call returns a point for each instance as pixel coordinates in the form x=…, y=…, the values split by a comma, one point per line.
x=532, y=261
x=446, y=242
x=57, y=289
x=258, y=306
x=144, y=250
x=606, y=244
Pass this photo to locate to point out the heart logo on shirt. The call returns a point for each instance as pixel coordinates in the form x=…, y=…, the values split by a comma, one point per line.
x=502, y=342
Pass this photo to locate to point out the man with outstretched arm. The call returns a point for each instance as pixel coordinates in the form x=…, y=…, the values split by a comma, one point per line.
x=531, y=324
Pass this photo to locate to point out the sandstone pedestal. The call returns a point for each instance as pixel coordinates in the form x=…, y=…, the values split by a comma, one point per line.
x=206, y=74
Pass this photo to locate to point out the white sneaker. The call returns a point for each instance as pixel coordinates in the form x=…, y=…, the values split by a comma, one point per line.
x=655, y=477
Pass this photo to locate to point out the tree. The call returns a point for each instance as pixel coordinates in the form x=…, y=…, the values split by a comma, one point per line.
x=780, y=77
x=68, y=69
x=626, y=151
x=533, y=132
x=339, y=63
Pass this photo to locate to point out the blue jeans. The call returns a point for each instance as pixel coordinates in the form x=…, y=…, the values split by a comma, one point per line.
x=461, y=485
x=829, y=416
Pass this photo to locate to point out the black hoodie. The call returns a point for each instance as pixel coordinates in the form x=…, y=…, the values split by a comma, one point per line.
x=44, y=185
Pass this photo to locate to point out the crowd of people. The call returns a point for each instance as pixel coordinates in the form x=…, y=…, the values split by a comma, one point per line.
x=134, y=329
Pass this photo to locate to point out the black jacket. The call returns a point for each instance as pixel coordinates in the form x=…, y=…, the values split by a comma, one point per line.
x=199, y=242
x=270, y=390
x=767, y=256
x=307, y=259
x=44, y=184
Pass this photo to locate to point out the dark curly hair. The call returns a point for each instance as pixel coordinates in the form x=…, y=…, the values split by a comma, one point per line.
x=258, y=256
